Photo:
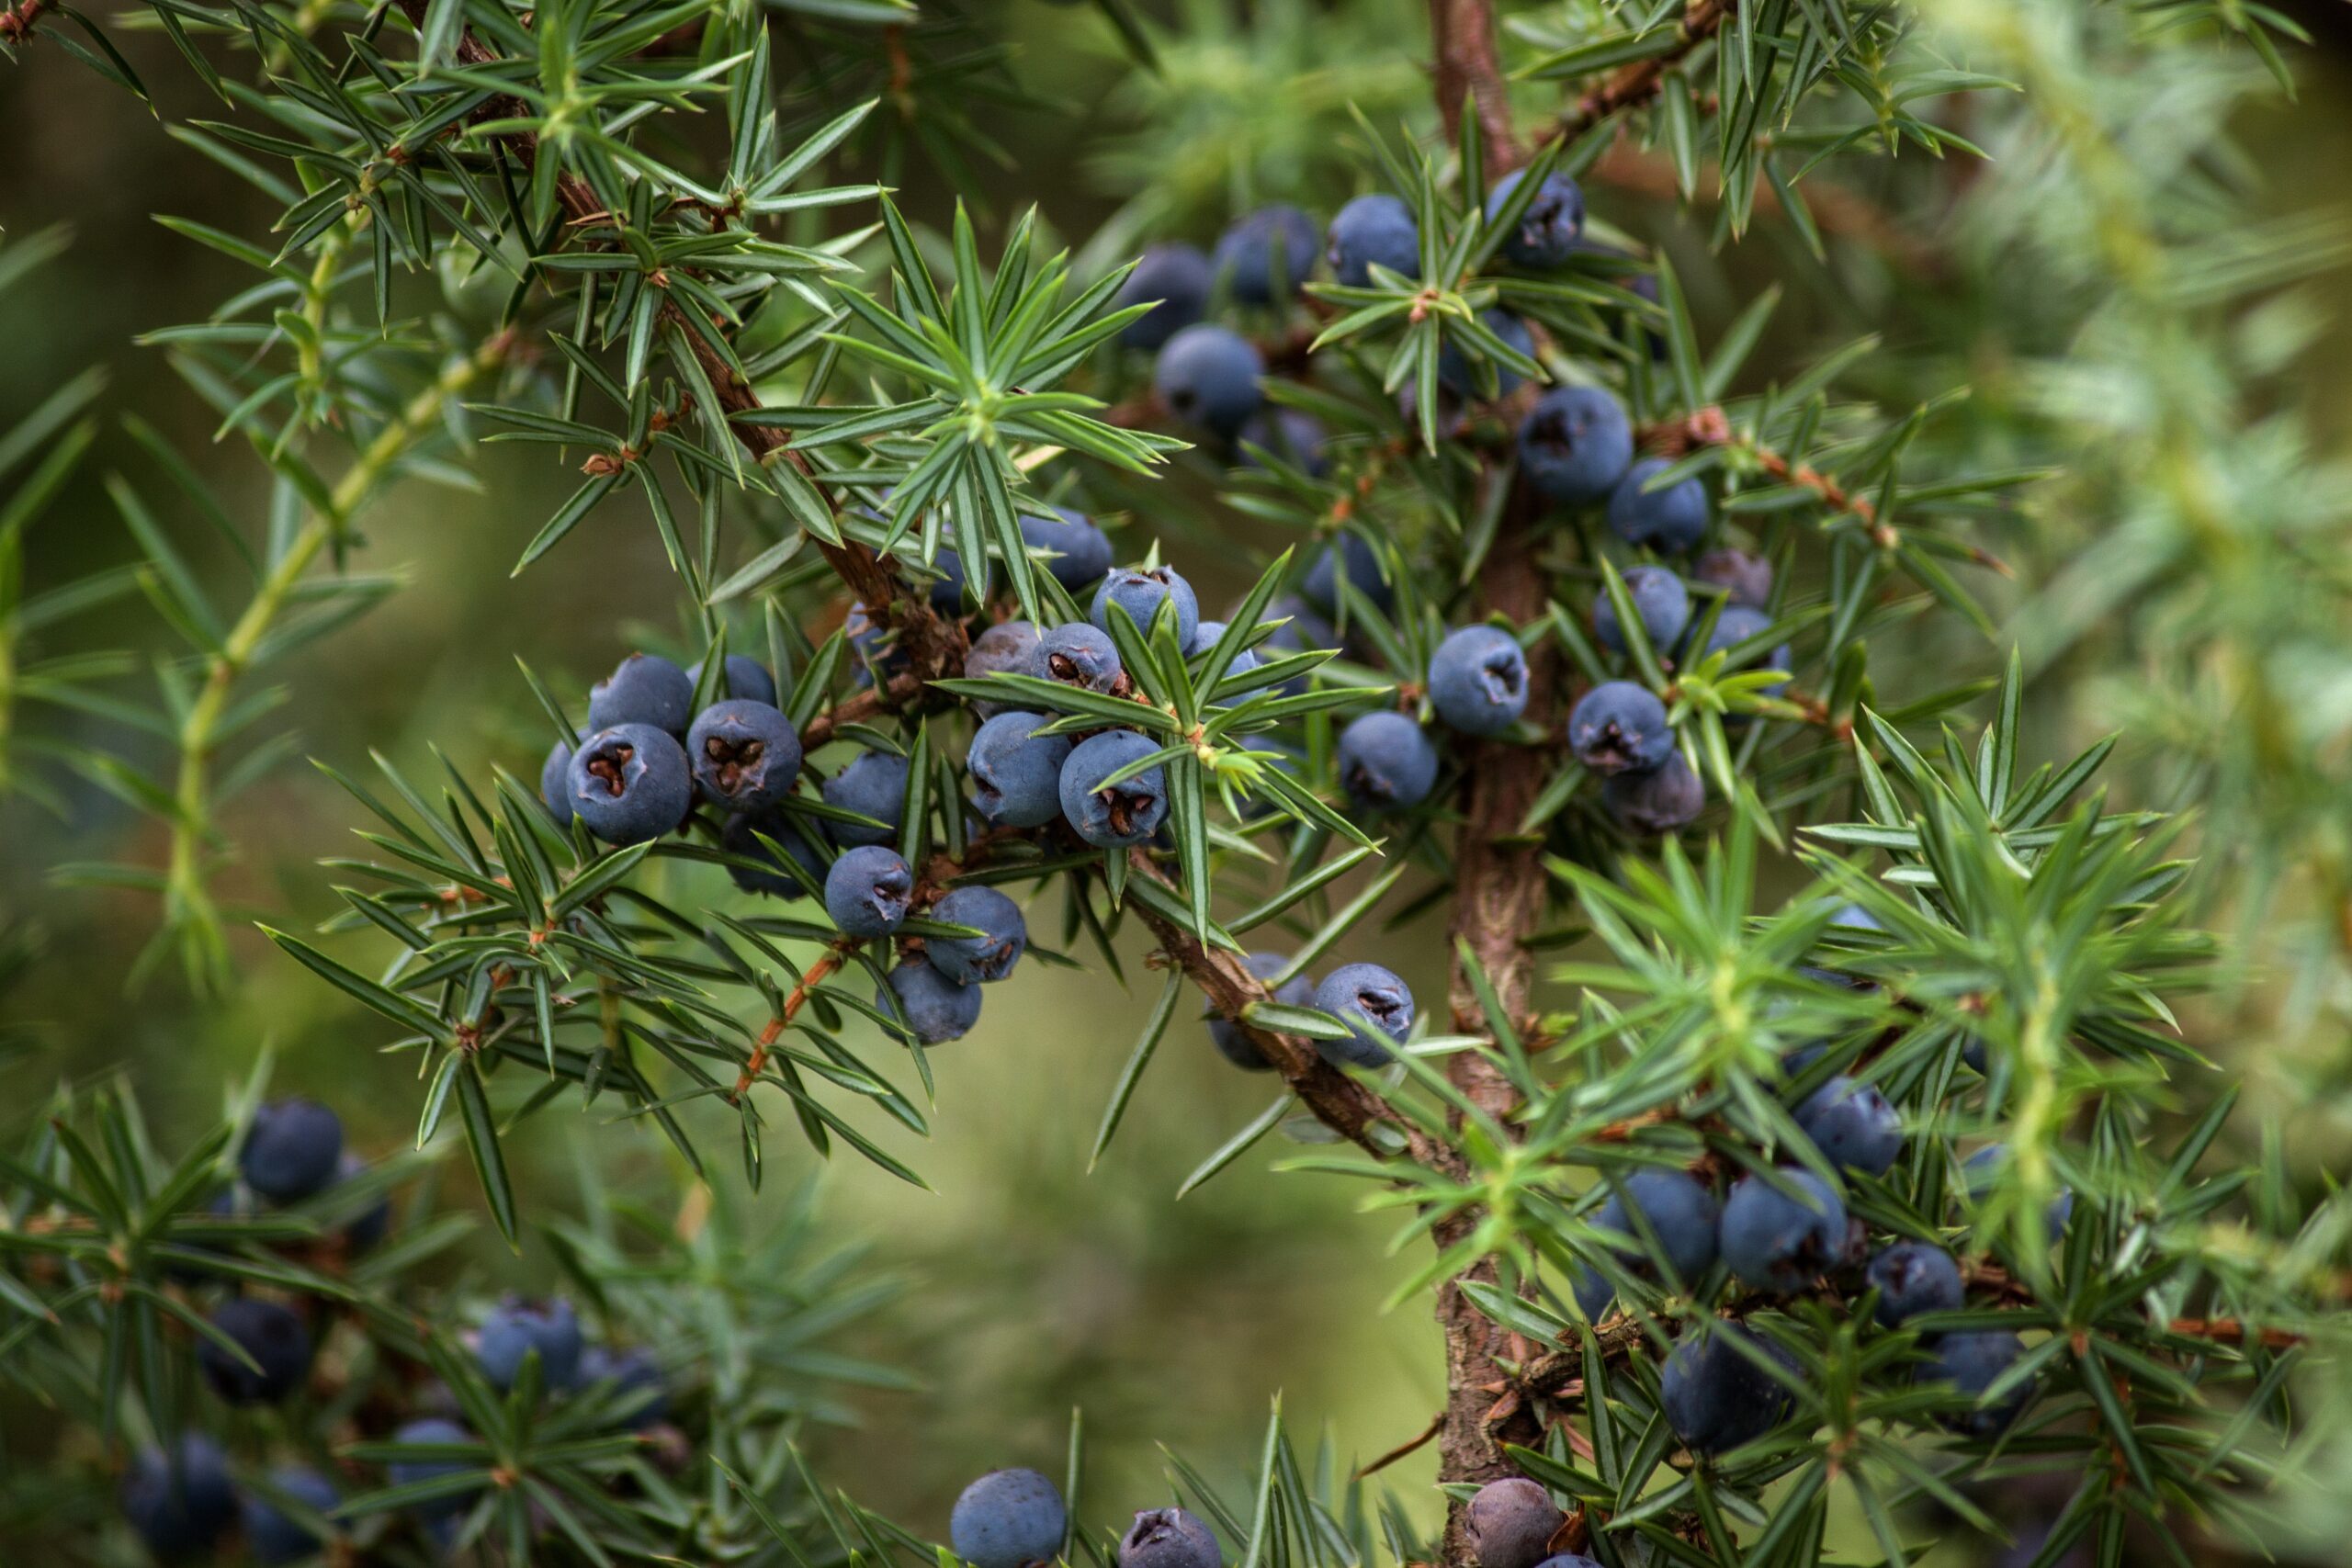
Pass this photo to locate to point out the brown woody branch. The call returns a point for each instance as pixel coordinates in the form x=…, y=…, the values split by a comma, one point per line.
x=1469, y=66
x=1631, y=85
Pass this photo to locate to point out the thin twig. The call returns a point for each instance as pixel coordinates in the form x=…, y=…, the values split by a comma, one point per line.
x=1405, y=1449
x=16, y=25
x=1631, y=85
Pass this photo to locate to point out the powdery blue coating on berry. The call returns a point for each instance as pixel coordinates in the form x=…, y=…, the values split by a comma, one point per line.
x=746, y=679
x=1458, y=374
x=1853, y=1126
x=1178, y=277
x=1569, y=1559
x=1668, y=521
x=1666, y=799
x=934, y=1007
x=867, y=891
x=516, y=1327
x=1291, y=436
x=746, y=754
x=274, y=1341
x=645, y=689
x=1124, y=814
x=638, y=1385
x=1207, y=376
x=975, y=960
x=271, y=1537
x=1777, y=1242
x=180, y=1504
x=1659, y=598
x=1374, y=1002
x=1745, y=579
x=553, y=793
x=1619, y=728
x=803, y=844
x=874, y=784
x=1076, y=653
x=1007, y=648
x=1140, y=592
x=1548, y=230
x=1682, y=1211
x=1971, y=1363
x=1008, y=1518
x=1266, y=254
x=1206, y=635
x=1017, y=774
x=1477, y=681
x=1714, y=1396
x=1077, y=551
x=630, y=784
x=1168, y=1537
x=1509, y=1523
x=1376, y=228
x=1913, y=1277
x=1321, y=585
x=409, y=1472
x=1386, y=763
x=1231, y=1040
x=291, y=1150
x=1736, y=624
x=1575, y=445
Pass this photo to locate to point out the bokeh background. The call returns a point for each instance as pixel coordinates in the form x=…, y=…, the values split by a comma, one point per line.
x=1030, y=1286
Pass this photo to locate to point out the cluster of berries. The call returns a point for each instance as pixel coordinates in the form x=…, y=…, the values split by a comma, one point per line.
x=1015, y=1519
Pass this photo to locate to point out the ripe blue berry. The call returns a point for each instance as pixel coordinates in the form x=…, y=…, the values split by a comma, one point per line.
x=1971, y=1363
x=1373, y=229
x=1207, y=376
x=1548, y=230
x=1126, y=813
x=630, y=783
x=270, y=1535
x=1206, y=635
x=1076, y=653
x=637, y=1382
x=1459, y=374
x=1619, y=728
x=272, y=1338
x=1852, y=1125
x=434, y=1429
x=969, y=960
x=804, y=845
x=645, y=689
x=1266, y=255
x=1715, y=1397
x=1008, y=1518
x=1386, y=763
x=1177, y=276
x=1735, y=626
x=746, y=754
x=291, y=1150
x=1231, y=1040
x=1575, y=445
x=1008, y=647
x=1509, y=1523
x=1659, y=598
x=1678, y=1207
x=867, y=890
x=1912, y=1277
x=182, y=1502
x=1374, y=1002
x=933, y=1009
x=1298, y=628
x=1075, y=551
x=1744, y=578
x=553, y=793
x=874, y=784
x=1168, y=1537
x=516, y=1328
x=1288, y=435
x=1668, y=521
x=1666, y=799
x=1569, y=1559
x=1016, y=773
x=1778, y=1242
x=1321, y=586
x=745, y=679
x=1982, y=1169
x=1140, y=591
x=1478, y=681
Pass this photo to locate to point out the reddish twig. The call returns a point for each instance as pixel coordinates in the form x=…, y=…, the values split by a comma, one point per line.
x=1406, y=1448
x=812, y=977
x=1631, y=85
x=17, y=24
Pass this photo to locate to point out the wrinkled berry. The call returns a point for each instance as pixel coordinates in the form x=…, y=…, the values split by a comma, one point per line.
x=1575, y=445
x=645, y=689
x=1745, y=579
x=1659, y=598
x=804, y=845
x=1509, y=1523
x=1265, y=255
x=270, y=1535
x=1386, y=763
x=1123, y=814
x=746, y=754
x=1668, y=521
x=1666, y=799
x=1971, y=1363
x=1375, y=228
x=969, y=960
x=1679, y=1208
x=516, y=1327
x=180, y=1504
x=1140, y=591
x=1321, y=585
x=1619, y=728
x=867, y=890
x=934, y=1008
x=1075, y=550
x=1207, y=376
x=1371, y=1001
x=415, y=1472
x=1912, y=1277
x=1016, y=773
x=745, y=679
x=1550, y=227
x=1168, y=1537
x=874, y=784
x=273, y=1340
x=1780, y=1243
x=1715, y=1397
x=291, y=1150
x=1853, y=1126
x=1478, y=681
x=630, y=783
x=1231, y=1040
x=1178, y=277
x=1077, y=654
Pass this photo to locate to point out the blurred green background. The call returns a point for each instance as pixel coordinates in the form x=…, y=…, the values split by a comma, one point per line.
x=1032, y=1286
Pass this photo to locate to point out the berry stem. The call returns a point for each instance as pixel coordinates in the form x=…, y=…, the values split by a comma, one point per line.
x=16, y=25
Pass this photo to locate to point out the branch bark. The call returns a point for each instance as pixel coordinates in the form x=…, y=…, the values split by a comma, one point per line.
x=1469, y=66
